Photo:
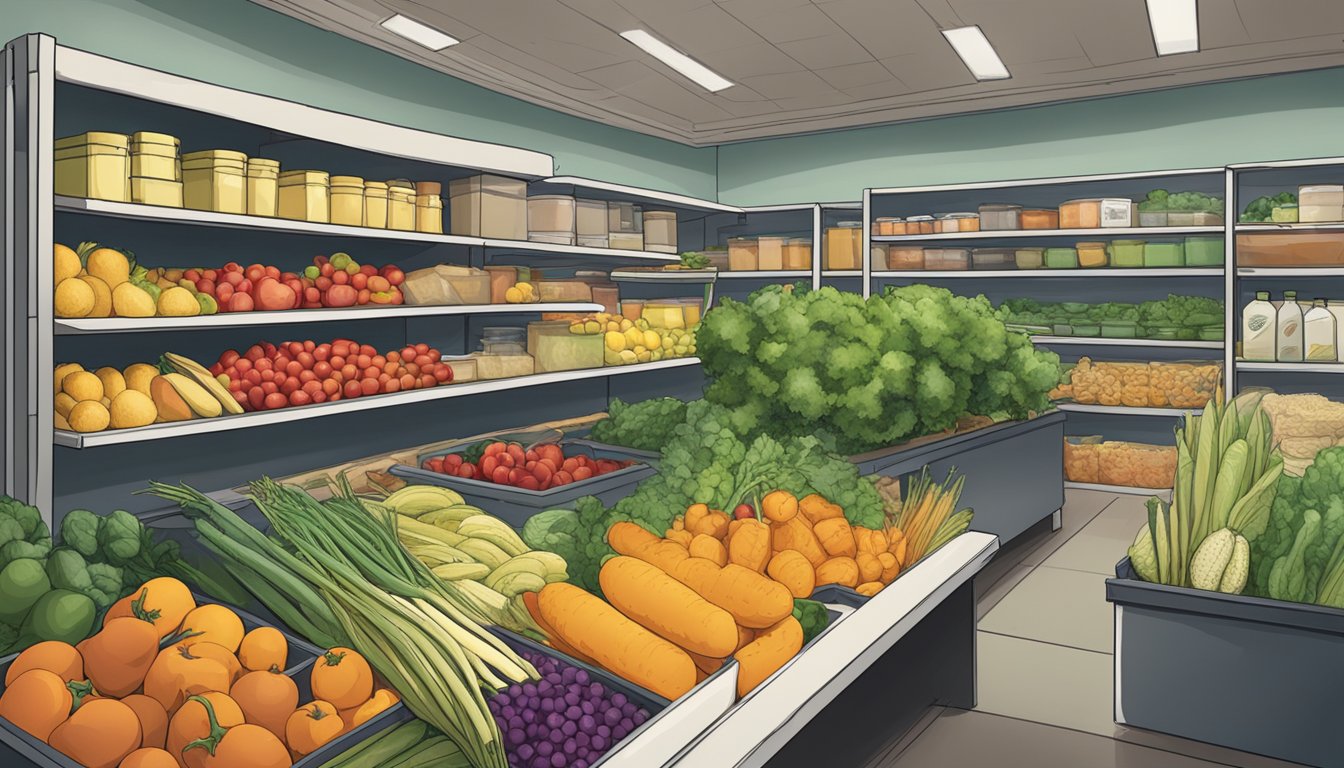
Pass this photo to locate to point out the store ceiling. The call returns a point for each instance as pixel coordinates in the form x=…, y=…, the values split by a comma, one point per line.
x=810, y=65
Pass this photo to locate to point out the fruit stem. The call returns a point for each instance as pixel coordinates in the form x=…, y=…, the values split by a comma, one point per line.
x=217, y=732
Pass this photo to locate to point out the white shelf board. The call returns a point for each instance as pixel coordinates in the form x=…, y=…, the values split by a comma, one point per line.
x=1124, y=410
x=108, y=74
x=576, y=250
x=168, y=430
x=764, y=274
x=86, y=326
x=1096, y=341
x=1301, y=163
x=1272, y=228
x=1290, y=271
x=671, y=198
x=1027, y=234
x=842, y=273
x=1243, y=365
x=1043, y=182
x=1112, y=273
x=1125, y=489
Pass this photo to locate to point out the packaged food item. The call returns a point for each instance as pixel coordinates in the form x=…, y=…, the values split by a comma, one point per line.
x=564, y=290
x=263, y=186
x=993, y=258
x=400, y=205
x=1318, y=334
x=503, y=340
x=94, y=164
x=1258, y=329
x=1110, y=383
x=798, y=253
x=590, y=223
x=499, y=366
x=1092, y=255
x=1116, y=212
x=488, y=206
x=632, y=309
x=1203, y=251
x=884, y=226
x=155, y=156
x=1182, y=385
x=304, y=195
x=1163, y=255
x=502, y=278
x=215, y=180
x=1284, y=214
x=1000, y=216
x=905, y=258
x=347, y=200
x=1119, y=329
x=156, y=192
x=1081, y=456
x=1127, y=254
x=843, y=244
x=1029, y=258
x=375, y=205
x=1136, y=465
x=742, y=254
x=660, y=232
x=608, y=295
x=429, y=207
x=919, y=225
x=947, y=259
x=550, y=219
x=769, y=251
x=1320, y=203
x=665, y=314
x=555, y=348
x=1040, y=218
x=1061, y=258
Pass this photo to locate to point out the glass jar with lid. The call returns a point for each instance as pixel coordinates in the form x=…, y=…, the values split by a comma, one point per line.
x=375, y=204
x=347, y=200
x=400, y=205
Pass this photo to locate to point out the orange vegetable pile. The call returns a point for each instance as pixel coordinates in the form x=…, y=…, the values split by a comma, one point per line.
x=170, y=684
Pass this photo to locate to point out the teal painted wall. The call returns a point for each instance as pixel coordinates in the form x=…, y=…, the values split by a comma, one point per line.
x=242, y=45
x=1272, y=118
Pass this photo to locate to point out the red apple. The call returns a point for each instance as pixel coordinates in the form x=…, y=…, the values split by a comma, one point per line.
x=254, y=272
x=272, y=295
x=296, y=286
x=233, y=266
x=326, y=269
x=233, y=278
x=341, y=278
x=340, y=296
x=743, y=512
x=240, y=302
x=394, y=275
x=363, y=296
x=272, y=272
x=397, y=299
x=210, y=274
x=368, y=270
x=243, y=287
x=311, y=295
x=323, y=283
x=360, y=281
x=192, y=274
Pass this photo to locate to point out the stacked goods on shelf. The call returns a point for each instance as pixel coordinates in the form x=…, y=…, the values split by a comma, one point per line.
x=1140, y=384
x=1180, y=209
x=626, y=341
x=1313, y=204
x=1277, y=209
x=1290, y=331
x=538, y=467
x=178, y=389
x=763, y=252
x=1303, y=425
x=1113, y=462
x=1193, y=251
x=1174, y=318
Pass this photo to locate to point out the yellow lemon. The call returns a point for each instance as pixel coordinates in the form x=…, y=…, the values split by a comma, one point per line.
x=109, y=265
x=132, y=408
x=64, y=403
x=513, y=295
x=178, y=302
x=102, y=296
x=113, y=381
x=82, y=386
x=89, y=416
x=74, y=298
x=66, y=264
x=652, y=340
x=615, y=341
x=138, y=376
x=63, y=370
x=129, y=300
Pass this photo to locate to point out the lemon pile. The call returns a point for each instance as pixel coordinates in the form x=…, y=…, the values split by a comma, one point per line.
x=629, y=341
x=102, y=399
x=521, y=293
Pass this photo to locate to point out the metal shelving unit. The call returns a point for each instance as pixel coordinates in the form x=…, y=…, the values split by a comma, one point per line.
x=1125, y=410
x=980, y=274
x=1090, y=341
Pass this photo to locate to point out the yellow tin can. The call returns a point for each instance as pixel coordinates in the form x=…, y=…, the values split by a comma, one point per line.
x=375, y=204
x=215, y=180
x=347, y=200
x=94, y=164
x=263, y=186
x=306, y=196
x=400, y=205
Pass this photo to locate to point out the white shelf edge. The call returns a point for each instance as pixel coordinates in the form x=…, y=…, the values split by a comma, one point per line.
x=1272, y=228
x=1290, y=271
x=1301, y=163
x=1116, y=273
x=577, y=250
x=1026, y=234
x=1332, y=368
x=86, y=326
x=1124, y=410
x=842, y=273
x=760, y=274
x=68, y=439
x=108, y=74
x=671, y=198
x=1095, y=341
x=1045, y=181
x=1123, y=489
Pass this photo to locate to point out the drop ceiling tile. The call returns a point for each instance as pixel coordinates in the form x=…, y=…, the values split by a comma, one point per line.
x=787, y=85
x=833, y=50
x=695, y=28
x=751, y=59
x=1112, y=34
x=667, y=96
x=855, y=75
x=884, y=28
x=884, y=90
x=1271, y=20
x=785, y=24
x=930, y=70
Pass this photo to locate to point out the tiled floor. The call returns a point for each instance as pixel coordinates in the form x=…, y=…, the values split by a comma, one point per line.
x=1045, y=661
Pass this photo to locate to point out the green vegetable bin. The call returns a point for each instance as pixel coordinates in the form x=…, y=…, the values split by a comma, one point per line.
x=1127, y=254
x=1163, y=255
x=1203, y=251
x=1119, y=329
x=1241, y=672
x=1061, y=258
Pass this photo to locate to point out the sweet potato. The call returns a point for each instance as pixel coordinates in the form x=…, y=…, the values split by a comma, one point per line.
x=890, y=568
x=836, y=537
x=870, y=568
x=838, y=570
x=666, y=607
x=793, y=570
x=708, y=547
x=869, y=588
x=770, y=650
x=779, y=506
x=749, y=544
x=706, y=665
x=797, y=534
x=682, y=538
x=815, y=509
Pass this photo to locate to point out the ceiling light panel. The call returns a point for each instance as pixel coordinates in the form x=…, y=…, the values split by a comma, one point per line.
x=693, y=70
x=420, y=34
x=975, y=51
x=1175, y=26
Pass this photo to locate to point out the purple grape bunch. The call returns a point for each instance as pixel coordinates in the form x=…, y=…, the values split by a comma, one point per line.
x=563, y=720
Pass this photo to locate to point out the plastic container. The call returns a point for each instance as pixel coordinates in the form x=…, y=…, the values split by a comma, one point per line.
x=1194, y=219
x=632, y=309
x=215, y=180
x=550, y=219
x=1203, y=251
x=1040, y=218
x=664, y=314
x=156, y=192
x=950, y=259
x=501, y=280
x=155, y=156
x=1092, y=255
x=1127, y=254
x=887, y=226
x=919, y=225
x=375, y=204
x=1081, y=457
x=1320, y=203
x=94, y=164
x=798, y=253
x=401, y=205
x=957, y=222
x=993, y=258
x=304, y=195
x=1163, y=255
x=554, y=348
x=844, y=242
x=1061, y=258
x=608, y=295
x=347, y=200
x=263, y=186
x=1152, y=218
x=488, y=206
x=660, y=231
x=503, y=340
x=743, y=254
x=905, y=258
x=516, y=505
x=499, y=366
x=769, y=250
x=1029, y=258
x=1298, y=249
x=1182, y=385
x=1136, y=465
x=1080, y=214
x=1000, y=216
x=564, y=290
x=428, y=210
x=1119, y=329
x=590, y=223
x=463, y=367
x=1284, y=214
x=626, y=241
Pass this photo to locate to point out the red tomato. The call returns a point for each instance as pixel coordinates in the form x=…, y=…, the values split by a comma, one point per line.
x=322, y=283
x=299, y=397
x=562, y=478
x=363, y=361
x=394, y=276
x=369, y=386
x=311, y=387
x=331, y=387
x=392, y=385
x=583, y=473
x=322, y=353
x=319, y=396
x=467, y=470
x=543, y=472
x=427, y=380
x=548, y=463
x=271, y=272
x=256, y=398
x=241, y=398
x=268, y=375
x=366, y=349
x=500, y=476
x=233, y=266
x=516, y=451
x=443, y=374
x=306, y=377
x=488, y=464
x=529, y=483
x=267, y=387
x=360, y=281
x=349, y=372
x=570, y=464
x=506, y=460
x=368, y=270
x=340, y=278
x=362, y=297
x=252, y=377
x=532, y=456
x=408, y=381
x=516, y=475
x=421, y=348
x=305, y=358
x=322, y=368
x=293, y=367
x=353, y=388
x=493, y=448
x=254, y=272
x=454, y=459
x=290, y=385
x=276, y=400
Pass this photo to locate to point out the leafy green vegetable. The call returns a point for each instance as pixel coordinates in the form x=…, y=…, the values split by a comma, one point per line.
x=646, y=425
x=79, y=530
x=8, y=636
x=120, y=536
x=694, y=260
x=1302, y=561
x=1262, y=208
x=67, y=569
x=28, y=518
x=578, y=535
x=105, y=585
x=17, y=550
x=812, y=615
x=1162, y=200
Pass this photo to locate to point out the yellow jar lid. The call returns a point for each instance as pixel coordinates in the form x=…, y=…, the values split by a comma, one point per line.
x=375, y=185
x=149, y=137
x=227, y=155
x=347, y=181
x=263, y=163
x=304, y=177
x=93, y=137
x=400, y=184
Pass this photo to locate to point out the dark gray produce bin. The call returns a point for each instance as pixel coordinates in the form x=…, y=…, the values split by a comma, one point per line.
x=1014, y=470
x=1251, y=674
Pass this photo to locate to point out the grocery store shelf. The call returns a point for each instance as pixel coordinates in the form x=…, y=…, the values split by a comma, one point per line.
x=1043, y=182
x=1243, y=365
x=519, y=246
x=1125, y=489
x=842, y=273
x=637, y=194
x=168, y=430
x=1027, y=234
x=1096, y=341
x=1270, y=228
x=1124, y=410
x=1290, y=271
x=763, y=274
x=1114, y=273
x=85, y=326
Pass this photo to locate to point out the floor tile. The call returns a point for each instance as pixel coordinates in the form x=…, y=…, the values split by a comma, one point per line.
x=1197, y=749
x=991, y=595
x=979, y=739
x=1104, y=540
x=1080, y=508
x=1044, y=683
x=1055, y=605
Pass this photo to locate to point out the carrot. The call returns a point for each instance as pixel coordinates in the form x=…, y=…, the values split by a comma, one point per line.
x=694, y=514
x=708, y=547
x=793, y=570
x=749, y=545
x=770, y=650
x=836, y=537
x=779, y=506
x=796, y=533
x=552, y=637
x=615, y=642
x=890, y=568
x=706, y=665
x=633, y=541
x=666, y=607
x=744, y=636
x=715, y=524
x=683, y=539
x=898, y=547
x=870, y=568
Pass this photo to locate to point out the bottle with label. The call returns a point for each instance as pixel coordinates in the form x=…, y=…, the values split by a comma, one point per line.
x=1288, y=340
x=1258, y=329
x=1318, y=334
x=1336, y=307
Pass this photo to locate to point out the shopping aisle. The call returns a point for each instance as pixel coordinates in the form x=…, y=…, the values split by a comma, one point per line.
x=1045, y=661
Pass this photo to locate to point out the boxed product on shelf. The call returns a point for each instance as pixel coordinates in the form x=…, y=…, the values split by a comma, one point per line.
x=561, y=345
x=1163, y=255
x=844, y=242
x=1299, y=249
x=1061, y=258
x=155, y=156
x=447, y=285
x=215, y=180
x=1040, y=218
x=156, y=192
x=798, y=253
x=305, y=195
x=550, y=219
x=993, y=258
x=1095, y=213
x=947, y=258
x=590, y=223
x=905, y=257
x=401, y=205
x=1000, y=216
x=660, y=232
x=488, y=206
x=769, y=251
x=922, y=225
x=1029, y=258
x=1201, y=251
x=888, y=225
x=1134, y=465
x=429, y=207
x=564, y=290
x=742, y=254
x=957, y=222
x=94, y=164
x=1092, y=255
x=1126, y=254
x=263, y=188
x=347, y=201
x=1142, y=384
x=1320, y=203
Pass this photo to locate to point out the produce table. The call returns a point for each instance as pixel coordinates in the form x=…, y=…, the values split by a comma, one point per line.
x=863, y=682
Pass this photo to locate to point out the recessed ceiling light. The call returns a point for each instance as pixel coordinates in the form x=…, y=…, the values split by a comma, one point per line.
x=1175, y=26
x=974, y=49
x=418, y=33
x=692, y=69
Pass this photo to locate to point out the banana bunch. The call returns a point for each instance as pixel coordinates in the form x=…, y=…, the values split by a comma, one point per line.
x=462, y=543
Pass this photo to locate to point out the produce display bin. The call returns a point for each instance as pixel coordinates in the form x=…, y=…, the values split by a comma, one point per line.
x=515, y=505
x=1026, y=456
x=671, y=725
x=1246, y=673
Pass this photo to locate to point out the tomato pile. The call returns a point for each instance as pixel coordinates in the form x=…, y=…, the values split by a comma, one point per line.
x=336, y=282
x=538, y=468
x=269, y=376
